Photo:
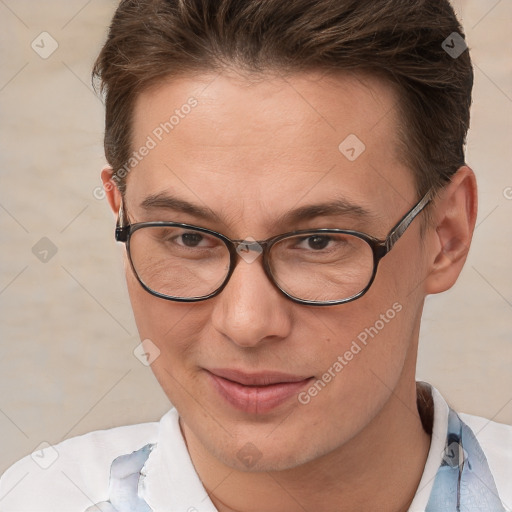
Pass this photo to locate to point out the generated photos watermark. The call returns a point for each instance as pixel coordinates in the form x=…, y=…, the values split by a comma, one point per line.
x=357, y=345
x=152, y=141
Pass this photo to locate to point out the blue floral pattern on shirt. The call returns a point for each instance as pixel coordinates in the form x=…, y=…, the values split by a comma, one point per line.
x=125, y=476
x=463, y=482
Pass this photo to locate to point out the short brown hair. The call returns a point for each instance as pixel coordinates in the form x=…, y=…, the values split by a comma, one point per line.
x=152, y=40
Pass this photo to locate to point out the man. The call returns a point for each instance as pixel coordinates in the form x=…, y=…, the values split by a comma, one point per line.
x=288, y=179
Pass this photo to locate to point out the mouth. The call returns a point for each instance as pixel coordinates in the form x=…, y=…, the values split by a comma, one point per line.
x=256, y=393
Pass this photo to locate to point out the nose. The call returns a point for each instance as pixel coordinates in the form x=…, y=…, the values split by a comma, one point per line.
x=250, y=310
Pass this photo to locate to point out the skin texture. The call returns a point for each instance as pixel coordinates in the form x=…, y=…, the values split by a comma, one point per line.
x=251, y=151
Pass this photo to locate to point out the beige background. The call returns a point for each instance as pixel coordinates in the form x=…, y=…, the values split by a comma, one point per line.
x=67, y=332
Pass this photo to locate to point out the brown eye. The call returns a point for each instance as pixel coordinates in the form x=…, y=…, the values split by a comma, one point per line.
x=191, y=239
x=318, y=242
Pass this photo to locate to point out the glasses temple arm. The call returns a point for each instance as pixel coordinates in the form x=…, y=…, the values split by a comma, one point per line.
x=399, y=229
x=121, y=229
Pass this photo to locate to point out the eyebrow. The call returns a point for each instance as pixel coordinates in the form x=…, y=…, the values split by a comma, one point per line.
x=338, y=207
x=168, y=202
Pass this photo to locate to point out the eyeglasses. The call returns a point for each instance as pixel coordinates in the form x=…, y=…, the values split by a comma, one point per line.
x=319, y=267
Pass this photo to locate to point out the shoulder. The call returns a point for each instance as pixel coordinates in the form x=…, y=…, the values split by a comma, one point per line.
x=73, y=474
x=496, y=442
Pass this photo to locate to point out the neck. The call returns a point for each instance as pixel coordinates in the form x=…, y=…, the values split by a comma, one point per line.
x=378, y=469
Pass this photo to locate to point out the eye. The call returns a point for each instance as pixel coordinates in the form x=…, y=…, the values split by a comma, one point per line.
x=315, y=242
x=190, y=239
x=195, y=240
x=176, y=238
x=318, y=242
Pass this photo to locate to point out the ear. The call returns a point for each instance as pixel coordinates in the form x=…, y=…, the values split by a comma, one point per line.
x=112, y=193
x=450, y=235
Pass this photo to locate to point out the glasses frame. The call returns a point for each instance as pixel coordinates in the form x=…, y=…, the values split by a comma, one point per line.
x=379, y=247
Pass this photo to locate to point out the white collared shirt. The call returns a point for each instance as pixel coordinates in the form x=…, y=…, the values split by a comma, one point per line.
x=75, y=474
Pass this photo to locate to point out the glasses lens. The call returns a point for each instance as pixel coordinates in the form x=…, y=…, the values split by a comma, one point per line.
x=322, y=266
x=179, y=262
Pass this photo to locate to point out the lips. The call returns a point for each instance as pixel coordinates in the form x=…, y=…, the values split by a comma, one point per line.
x=257, y=379
x=256, y=393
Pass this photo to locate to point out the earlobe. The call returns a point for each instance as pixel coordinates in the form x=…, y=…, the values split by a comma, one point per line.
x=450, y=238
x=112, y=193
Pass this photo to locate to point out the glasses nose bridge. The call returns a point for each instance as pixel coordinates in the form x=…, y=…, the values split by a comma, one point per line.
x=250, y=250
x=249, y=241
x=244, y=248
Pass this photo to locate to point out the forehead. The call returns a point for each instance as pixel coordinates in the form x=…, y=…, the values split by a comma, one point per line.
x=233, y=109
x=269, y=143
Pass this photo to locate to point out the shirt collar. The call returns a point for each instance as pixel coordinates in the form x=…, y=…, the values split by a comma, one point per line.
x=456, y=476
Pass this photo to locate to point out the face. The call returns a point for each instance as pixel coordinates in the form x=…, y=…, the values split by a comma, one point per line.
x=250, y=153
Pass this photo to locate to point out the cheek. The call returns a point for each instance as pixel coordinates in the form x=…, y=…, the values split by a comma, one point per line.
x=391, y=316
x=359, y=373
x=145, y=307
x=402, y=271
x=169, y=325
x=172, y=328
x=362, y=366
